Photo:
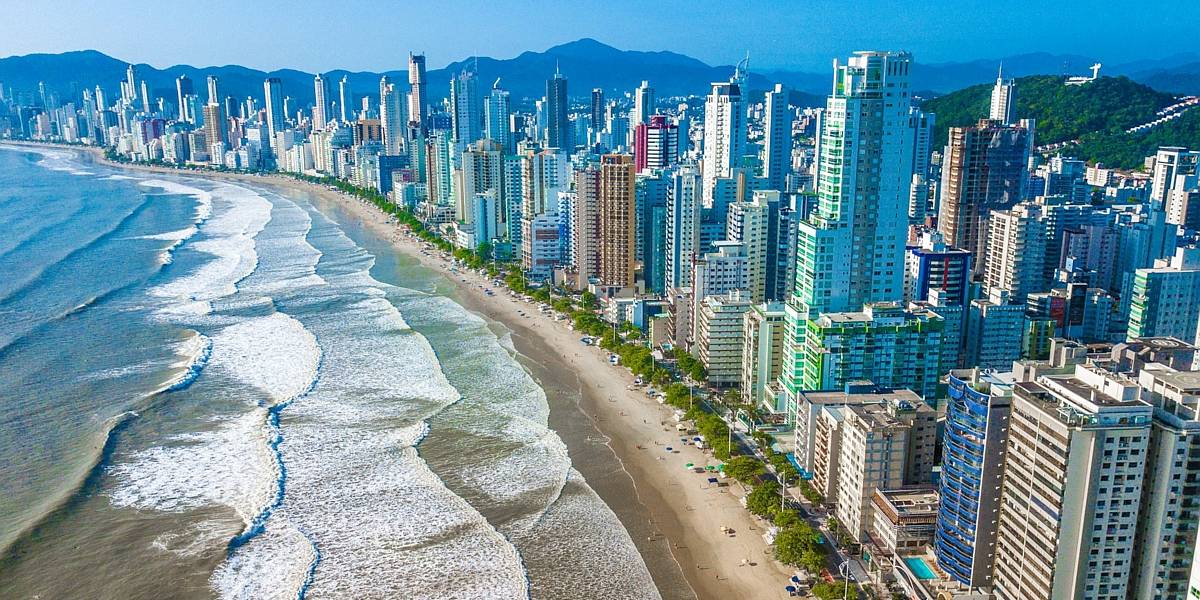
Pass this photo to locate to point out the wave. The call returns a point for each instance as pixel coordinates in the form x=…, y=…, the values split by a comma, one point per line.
x=198, y=349
x=203, y=198
x=229, y=239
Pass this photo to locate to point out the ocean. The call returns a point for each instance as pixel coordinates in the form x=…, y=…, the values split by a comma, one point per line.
x=220, y=389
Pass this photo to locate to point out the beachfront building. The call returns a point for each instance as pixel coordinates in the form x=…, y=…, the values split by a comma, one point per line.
x=719, y=336
x=902, y=523
x=826, y=446
x=883, y=446
x=1069, y=502
x=808, y=406
x=1166, y=563
x=976, y=431
x=1166, y=298
x=617, y=220
x=884, y=343
x=762, y=352
x=850, y=249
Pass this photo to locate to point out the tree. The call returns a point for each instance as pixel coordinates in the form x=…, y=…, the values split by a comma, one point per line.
x=744, y=468
x=800, y=546
x=829, y=591
x=763, y=500
x=484, y=250
x=589, y=301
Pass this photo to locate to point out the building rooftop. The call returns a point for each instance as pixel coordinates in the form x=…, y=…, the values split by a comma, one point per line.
x=860, y=392
x=908, y=503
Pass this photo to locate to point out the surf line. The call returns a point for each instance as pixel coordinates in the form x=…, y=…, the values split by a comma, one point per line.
x=259, y=523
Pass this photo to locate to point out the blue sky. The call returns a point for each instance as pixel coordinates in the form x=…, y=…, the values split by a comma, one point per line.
x=803, y=34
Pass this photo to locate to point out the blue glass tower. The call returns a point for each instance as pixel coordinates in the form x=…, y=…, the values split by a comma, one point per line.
x=972, y=464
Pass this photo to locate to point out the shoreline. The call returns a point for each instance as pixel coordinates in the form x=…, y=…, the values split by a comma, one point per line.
x=616, y=437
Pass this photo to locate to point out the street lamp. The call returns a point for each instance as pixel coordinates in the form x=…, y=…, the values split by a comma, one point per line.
x=729, y=442
x=844, y=571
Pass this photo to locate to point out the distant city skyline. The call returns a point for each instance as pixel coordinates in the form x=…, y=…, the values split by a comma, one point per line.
x=365, y=36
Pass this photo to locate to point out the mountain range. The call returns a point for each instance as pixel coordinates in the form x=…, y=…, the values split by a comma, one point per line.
x=586, y=63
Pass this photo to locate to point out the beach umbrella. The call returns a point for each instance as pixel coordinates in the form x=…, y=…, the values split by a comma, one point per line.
x=669, y=449
x=690, y=465
x=795, y=579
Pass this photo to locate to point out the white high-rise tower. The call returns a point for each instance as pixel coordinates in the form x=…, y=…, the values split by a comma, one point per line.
x=1004, y=100
x=320, y=113
x=392, y=116
x=724, y=134
x=777, y=147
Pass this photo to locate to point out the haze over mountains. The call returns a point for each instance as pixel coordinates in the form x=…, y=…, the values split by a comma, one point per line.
x=587, y=63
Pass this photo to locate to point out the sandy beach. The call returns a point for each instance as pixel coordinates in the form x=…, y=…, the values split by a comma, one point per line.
x=617, y=436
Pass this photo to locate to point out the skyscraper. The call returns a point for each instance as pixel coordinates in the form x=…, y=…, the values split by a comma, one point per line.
x=643, y=105
x=617, y=220
x=777, y=138
x=1067, y=523
x=558, y=129
x=345, y=100
x=129, y=90
x=496, y=112
x=1004, y=100
x=183, y=89
x=976, y=432
x=597, y=114
x=585, y=226
x=724, y=134
x=416, y=97
x=392, y=116
x=213, y=95
x=320, y=113
x=852, y=245
x=466, y=108
x=273, y=95
x=683, y=226
x=850, y=249
x=984, y=169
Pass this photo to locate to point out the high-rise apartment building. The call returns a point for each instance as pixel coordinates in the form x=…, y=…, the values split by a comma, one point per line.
x=683, y=227
x=1016, y=251
x=417, y=100
x=617, y=220
x=392, y=109
x=777, y=138
x=883, y=447
x=1074, y=469
x=1166, y=298
x=1004, y=100
x=585, y=226
x=983, y=169
x=345, y=100
x=1169, y=163
x=320, y=111
x=655, y=144
x=724, y=135
x=643, y=105
x=883, y=343
x=496, y=112
x=596, y=115
x=850, y=250
x=466, y=116
x=273, y=96
x=976, y=432
x=183, y=89
x=558, y=128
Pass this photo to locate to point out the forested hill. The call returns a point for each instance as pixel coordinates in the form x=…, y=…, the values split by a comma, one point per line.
x=1097, y=113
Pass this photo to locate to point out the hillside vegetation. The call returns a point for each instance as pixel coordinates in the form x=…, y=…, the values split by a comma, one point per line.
x=1096, y=113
